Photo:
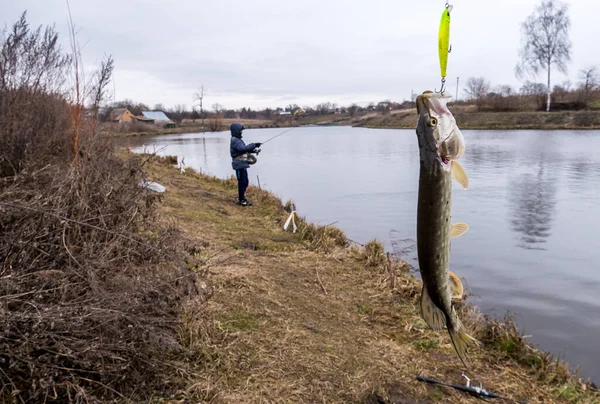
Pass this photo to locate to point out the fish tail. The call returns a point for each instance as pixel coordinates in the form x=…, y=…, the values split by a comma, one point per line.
x=460, y=340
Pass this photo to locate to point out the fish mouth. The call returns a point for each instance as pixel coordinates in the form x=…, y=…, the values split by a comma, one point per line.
x=437, y=120
x=435, y=102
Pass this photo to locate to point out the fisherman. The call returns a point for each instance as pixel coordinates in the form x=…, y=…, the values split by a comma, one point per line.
x=238, y=150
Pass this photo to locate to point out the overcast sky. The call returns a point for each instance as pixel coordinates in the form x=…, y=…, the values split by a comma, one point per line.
x=267, y=53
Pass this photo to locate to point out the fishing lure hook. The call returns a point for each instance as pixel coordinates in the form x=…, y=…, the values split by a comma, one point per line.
x=443, y=86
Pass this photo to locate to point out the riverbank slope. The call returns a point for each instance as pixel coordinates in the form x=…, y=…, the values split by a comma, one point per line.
x=466, y=119
x=302, y=317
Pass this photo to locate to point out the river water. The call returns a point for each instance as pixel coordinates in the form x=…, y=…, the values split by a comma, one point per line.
x=532, y=206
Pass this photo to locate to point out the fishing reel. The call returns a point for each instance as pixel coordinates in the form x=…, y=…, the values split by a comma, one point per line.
x=252, y=159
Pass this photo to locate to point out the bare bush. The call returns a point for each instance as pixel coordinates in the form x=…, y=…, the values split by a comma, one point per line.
x=477, y=89
x=215, y=123
x=91, y=287
x=32, y=70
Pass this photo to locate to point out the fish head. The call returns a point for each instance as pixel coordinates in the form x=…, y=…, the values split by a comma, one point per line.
x=439, y=137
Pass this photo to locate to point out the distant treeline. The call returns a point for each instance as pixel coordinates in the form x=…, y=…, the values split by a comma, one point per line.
x=478, y=91
x=181, y=112
x=585, y=94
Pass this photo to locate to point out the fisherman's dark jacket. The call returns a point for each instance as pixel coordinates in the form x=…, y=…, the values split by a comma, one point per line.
x=237, y=147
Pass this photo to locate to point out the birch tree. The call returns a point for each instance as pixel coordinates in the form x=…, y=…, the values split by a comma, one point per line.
x=545, y=42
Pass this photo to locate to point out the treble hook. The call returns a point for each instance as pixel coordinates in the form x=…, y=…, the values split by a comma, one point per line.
x=443, y=86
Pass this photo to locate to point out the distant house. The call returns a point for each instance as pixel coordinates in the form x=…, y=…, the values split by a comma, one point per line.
x=285, y=113
x=120, y=115
x=159, y=118
x=143, y=119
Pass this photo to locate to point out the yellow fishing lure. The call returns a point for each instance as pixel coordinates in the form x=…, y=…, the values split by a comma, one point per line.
x=444, y=40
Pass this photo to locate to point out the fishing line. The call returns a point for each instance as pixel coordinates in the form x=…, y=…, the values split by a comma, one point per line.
x=252, y=159
x=276, y=136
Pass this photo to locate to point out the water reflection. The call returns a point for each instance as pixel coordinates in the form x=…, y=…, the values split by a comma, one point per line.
x=488, y=156
x=579, y=169
x=533, y=199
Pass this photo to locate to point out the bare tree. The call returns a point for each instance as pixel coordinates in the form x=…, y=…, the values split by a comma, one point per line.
x=98, y=86
x=505, y=90
x=384, y=107
x=590, y=81
x=218, y=108
x=545, y=42
x=215, y=123
x=199, y=98
x=177, y=114
x=476, y=89
x=352, y=110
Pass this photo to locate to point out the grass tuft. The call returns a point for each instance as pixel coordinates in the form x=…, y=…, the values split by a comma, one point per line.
x=374, y=254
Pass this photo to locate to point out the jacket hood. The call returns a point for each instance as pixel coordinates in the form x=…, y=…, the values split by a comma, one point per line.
x=236, y=130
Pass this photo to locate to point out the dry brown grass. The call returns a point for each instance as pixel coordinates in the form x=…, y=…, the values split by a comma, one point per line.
x=292, y=323
x=321, y=238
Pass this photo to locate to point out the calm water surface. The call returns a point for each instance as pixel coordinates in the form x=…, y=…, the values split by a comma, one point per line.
x=532, y=206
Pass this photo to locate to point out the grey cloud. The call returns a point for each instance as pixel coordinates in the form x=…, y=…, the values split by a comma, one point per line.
x=265, y=50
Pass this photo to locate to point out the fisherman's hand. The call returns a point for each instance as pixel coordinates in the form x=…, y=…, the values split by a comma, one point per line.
x=257, y=144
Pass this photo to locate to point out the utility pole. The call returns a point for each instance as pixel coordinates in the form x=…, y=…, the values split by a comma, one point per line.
x=457, y=78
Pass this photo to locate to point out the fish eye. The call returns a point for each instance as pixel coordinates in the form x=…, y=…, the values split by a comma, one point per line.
x=433, y=122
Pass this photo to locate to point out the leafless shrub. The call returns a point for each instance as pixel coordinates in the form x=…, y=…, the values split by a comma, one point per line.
x=91, y=287
x=477, y=89
x=32, y=68
x=88, y=304
x=589, y=83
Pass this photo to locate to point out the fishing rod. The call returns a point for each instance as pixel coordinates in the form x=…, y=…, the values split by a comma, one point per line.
x=276, y=136
x=478, y=392
x=252, y=159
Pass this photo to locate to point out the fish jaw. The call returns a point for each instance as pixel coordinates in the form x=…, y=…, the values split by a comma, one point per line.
x=440, y=139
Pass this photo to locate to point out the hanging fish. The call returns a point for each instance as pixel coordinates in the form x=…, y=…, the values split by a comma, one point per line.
x=444, y=41
x=441, y=144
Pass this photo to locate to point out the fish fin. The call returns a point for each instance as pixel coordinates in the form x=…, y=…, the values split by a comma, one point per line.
x=459, y=174
x=461, y=339
x=432, y=315
x=458, y=229
x=456, y=286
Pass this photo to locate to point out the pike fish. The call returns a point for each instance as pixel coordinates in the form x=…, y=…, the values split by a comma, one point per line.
x=440, y=145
